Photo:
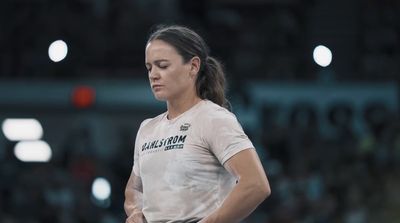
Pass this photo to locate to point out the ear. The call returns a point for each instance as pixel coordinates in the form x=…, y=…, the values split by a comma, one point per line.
x=195, y=63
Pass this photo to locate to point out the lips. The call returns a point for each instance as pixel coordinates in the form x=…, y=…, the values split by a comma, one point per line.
x=156, y=86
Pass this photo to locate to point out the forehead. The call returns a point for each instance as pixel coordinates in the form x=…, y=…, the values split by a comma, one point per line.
x=158, y=49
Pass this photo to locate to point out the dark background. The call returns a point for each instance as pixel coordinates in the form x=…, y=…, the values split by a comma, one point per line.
x=329, y=138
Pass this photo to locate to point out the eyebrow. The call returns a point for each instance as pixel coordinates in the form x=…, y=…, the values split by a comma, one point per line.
x=157, y=61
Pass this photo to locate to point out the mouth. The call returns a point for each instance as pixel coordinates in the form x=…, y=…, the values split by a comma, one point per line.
x=156, y=86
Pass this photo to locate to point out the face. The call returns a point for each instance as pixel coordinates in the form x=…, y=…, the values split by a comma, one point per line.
x=169, y=76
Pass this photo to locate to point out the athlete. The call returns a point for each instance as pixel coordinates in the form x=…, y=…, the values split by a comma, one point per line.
x=193, y=163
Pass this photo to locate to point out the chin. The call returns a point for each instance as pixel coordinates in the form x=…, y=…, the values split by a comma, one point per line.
x=160, y=97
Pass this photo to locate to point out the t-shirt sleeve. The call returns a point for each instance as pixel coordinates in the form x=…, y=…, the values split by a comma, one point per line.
x=225, y=136
x=136, y=164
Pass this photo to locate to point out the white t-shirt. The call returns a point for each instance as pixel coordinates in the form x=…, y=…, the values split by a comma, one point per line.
x=180, y=162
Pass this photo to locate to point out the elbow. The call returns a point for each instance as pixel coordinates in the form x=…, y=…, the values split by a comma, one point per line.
x=126, y=201
x=128, y=192
x=259, y=189
x=264, y=190
x=267, y=191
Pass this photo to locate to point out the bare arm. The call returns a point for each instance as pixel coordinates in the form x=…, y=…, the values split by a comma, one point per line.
x=252, y=188
x=133, y=200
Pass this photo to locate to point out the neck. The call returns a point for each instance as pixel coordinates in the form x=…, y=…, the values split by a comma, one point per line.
x=177, y=107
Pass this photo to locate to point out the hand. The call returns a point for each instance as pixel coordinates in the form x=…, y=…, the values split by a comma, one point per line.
x=136, y=218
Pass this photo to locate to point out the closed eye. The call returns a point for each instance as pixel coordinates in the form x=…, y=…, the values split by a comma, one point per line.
x=163, y=66
x=148, y=68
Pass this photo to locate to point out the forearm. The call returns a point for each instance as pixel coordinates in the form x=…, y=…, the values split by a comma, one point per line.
x=133, y=196
x=241, y=201
x=133, y=202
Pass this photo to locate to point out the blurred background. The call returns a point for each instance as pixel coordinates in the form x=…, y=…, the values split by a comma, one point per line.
x=315, y=84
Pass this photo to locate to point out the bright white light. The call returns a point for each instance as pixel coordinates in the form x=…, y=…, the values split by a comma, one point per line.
x=33, y=151
x=322, y=56
x=58, y=50
x=22, y=129
x=101, y=189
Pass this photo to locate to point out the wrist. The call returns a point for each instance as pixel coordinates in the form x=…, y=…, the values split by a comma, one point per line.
x=210, y=219
x=137, y=213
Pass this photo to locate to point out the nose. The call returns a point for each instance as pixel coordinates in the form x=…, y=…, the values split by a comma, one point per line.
x=153, y=74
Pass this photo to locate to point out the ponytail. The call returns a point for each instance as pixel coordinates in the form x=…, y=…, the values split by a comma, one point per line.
x=210, y=84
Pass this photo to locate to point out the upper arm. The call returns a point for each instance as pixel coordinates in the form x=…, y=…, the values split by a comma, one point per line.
x=134, y=183
x=247, y=166
x=137, y=148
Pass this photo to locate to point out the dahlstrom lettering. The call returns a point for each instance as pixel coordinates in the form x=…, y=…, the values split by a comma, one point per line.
x=172, y=142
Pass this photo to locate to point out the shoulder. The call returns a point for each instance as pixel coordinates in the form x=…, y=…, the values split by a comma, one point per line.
x=214, y=116
x=211, y=111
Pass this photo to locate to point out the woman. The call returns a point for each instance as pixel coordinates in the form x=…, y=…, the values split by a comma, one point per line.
x=192, y=163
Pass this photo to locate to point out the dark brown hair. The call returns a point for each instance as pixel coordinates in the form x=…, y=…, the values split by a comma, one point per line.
x=210, y=82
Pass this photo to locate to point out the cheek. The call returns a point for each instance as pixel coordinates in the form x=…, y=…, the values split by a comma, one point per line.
x=177, y=77
x=183, y=82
